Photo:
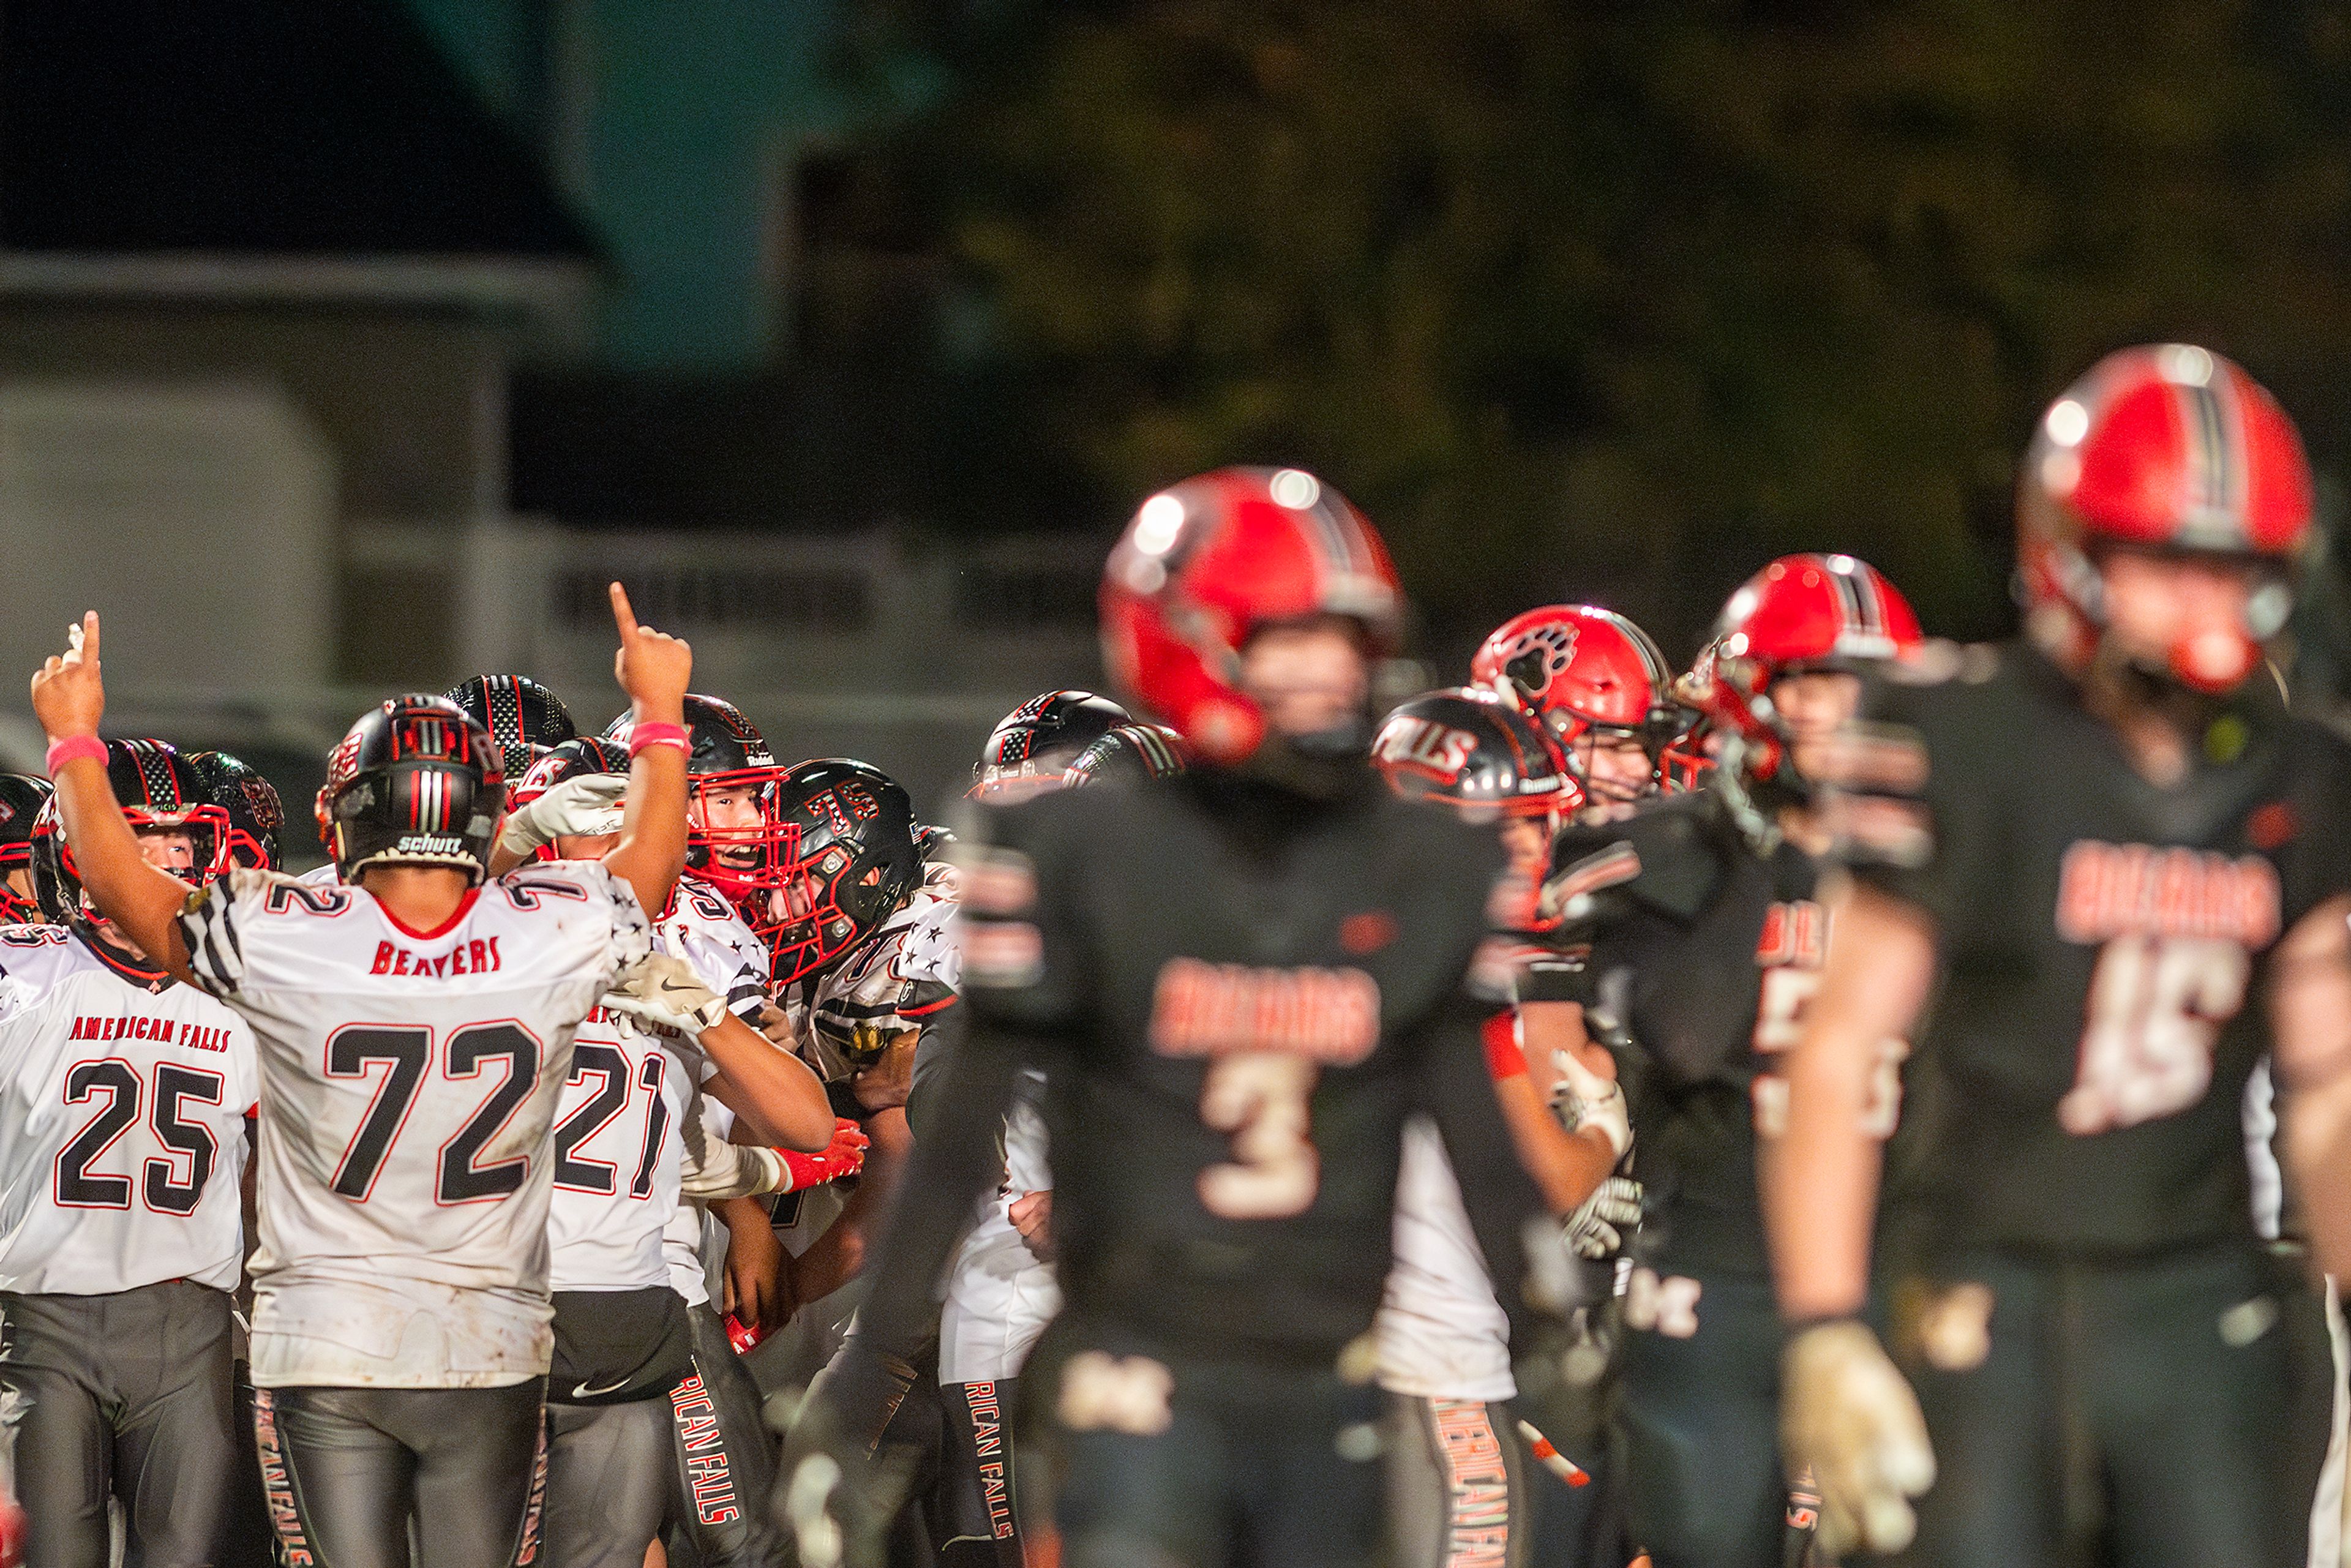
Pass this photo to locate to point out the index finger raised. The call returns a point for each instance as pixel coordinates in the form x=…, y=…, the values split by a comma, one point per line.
x=622, y=616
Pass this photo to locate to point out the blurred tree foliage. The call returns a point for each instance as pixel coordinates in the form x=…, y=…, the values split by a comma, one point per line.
x=1615, y=302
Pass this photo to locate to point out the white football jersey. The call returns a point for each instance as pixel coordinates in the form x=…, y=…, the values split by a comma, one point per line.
x=1000, y=1294
x=122, y=1107
x=907, y=970
x=1441, y=1333
x=618, y=1125
x=409, y=1080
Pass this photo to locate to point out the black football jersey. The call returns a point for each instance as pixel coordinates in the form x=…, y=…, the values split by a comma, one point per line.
x=2103, y=943
x=1237, y=996
x=1701, y=948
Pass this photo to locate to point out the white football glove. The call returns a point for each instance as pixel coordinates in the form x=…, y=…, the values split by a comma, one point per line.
x=1596, y=1229
x=1846, y=1411
x=1584, y=1099
x=590, y=803
x=662, y=990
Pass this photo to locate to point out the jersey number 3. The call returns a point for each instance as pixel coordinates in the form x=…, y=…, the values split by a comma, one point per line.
x=2157, y=1005
x=1258, y=1099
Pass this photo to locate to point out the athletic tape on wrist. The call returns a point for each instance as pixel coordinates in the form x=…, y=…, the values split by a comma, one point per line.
x=642, y=735
x=64, y=751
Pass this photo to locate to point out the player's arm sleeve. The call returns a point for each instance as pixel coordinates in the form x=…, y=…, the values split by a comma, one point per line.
x=215, y=923
x=1500, y=1197
x=726, y=972
x=1888, y=809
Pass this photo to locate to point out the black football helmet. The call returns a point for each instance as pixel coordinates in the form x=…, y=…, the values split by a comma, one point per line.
x=1129, y=754
x=416, y=781
x=524, y=718
x=575, y=757
x=159, y=791
x=852, y=860
x=733, y=837
x=1028, y=752
x=1477, y=752
x=21, y=796
x=255, y=815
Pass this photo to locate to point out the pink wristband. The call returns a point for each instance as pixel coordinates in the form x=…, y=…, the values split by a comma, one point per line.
x=64, y=751
x=642, y=735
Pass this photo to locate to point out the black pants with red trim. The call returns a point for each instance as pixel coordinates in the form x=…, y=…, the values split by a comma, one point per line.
x=723, y=1466
x=125, y=1395
x=346, y=1471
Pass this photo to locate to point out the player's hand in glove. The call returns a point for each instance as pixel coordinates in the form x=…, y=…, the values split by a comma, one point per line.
x=1585, y=1099
x=844, y=1156
x=587, y=805
x=1846, y=1411
x=1598, y=1226
x=661, y=989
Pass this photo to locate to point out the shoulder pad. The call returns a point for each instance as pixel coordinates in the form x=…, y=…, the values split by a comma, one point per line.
x=1666, y=856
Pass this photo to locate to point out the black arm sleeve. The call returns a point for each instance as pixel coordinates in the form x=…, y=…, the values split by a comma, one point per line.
x=1500, y=1197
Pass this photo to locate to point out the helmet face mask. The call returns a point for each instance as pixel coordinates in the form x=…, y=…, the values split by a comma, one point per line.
x=850, y=860
x=22, y=798
x=2161, y=452
x=161, y=793
x=1801, y=614
x=733, y=838
x=1596, y=680
x=1206, y=564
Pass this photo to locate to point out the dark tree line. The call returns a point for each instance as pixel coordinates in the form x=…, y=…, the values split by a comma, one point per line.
x=1609, y=301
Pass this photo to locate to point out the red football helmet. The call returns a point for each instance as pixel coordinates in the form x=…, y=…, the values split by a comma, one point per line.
x=1579, y=669
x=1800, y=613
x=1206, y=563
x=2171, y=448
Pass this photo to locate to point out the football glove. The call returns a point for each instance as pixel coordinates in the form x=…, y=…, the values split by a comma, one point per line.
x=587, y=804
x=1597, y=1227
x=1584, y=1099
x=661, y=989
x=1847, y=1412
x=844, y=1156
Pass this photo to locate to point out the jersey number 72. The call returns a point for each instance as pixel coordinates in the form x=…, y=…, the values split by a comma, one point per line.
x=406, y=1054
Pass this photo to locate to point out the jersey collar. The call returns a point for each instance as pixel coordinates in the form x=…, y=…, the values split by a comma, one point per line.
x=146, y=976
x=464, y=907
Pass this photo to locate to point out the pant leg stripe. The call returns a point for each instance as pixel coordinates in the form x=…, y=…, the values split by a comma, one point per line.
x=294, y=1549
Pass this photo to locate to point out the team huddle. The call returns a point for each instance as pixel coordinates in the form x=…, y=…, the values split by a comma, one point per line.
x=1856, y=1098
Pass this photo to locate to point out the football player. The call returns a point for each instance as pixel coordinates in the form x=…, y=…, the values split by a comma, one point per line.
x=1457, y=1474
x=21, y=796
x=1601, y=688
x=123, y=1097
x=622, y=1339
x=863, y=965
x=1030, y=749
x=414, y=1026
x=2100, y=872
x=1240, y=984
x=1698, y=936
x=526, y=720
x=257, y=817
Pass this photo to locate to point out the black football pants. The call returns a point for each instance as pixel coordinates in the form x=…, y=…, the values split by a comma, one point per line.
x=1236, y=1465
x=2154, y=1413
x=125, y=1395
x=608, y=1481
x=1457, y=1484
x=1701, y=1418
x=721, y=1466
x=345, y=1470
